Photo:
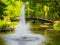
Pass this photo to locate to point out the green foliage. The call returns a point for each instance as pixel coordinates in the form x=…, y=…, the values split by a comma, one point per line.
x=2, y=6
x=34, y=8
x=56, y=25
x=3, y=24
x=13, y=24
x=41, y=8
x=11, y=9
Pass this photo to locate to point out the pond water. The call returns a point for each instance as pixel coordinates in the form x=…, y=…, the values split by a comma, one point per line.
x=53, y=36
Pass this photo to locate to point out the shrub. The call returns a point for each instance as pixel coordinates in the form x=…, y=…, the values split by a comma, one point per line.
x=56, y=25
x=3, y=25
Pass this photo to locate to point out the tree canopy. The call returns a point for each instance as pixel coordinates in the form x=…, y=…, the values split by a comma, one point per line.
x=9, y=11
x=10, y=8
x=45, y=9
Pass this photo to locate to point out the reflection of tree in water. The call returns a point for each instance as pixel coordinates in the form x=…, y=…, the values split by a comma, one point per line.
x=2, y=42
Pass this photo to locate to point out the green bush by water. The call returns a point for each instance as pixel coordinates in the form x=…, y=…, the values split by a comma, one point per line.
x=56, y=25
x=3, y=24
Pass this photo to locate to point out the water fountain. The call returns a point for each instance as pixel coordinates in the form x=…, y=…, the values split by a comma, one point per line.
x=22, y=35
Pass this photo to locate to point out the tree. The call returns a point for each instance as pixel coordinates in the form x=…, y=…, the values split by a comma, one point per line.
x=2, y=6
x=52, y=6
x=9, y=11
x=12, y=8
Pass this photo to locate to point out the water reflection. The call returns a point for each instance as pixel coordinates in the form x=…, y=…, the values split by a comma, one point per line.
x=2, y=42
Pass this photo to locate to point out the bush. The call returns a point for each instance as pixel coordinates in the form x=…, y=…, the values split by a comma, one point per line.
x=13, y=24
x=3, y=25
x=9, y=11
x=56, y=25
x=11, y=8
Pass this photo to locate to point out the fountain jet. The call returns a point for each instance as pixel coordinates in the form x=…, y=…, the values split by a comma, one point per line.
x=22, y=35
